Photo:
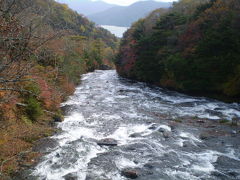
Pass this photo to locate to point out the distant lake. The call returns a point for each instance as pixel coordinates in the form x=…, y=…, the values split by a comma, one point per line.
x=116, y=30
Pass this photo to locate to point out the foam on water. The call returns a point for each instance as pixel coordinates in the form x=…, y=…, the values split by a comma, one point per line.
x=205, y=161
x=122, y=163
x=54, y=167
x=187, y=135
x=165, y=127
x=122, y=134
x=73, y=130
x=106, y=106
x=176, y=175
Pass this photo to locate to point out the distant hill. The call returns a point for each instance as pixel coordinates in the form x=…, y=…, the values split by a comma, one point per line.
x=87, y=7
x=126, y=15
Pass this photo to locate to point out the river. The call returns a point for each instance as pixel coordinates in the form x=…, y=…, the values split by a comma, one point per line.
x=116, y=30
x=161, y=135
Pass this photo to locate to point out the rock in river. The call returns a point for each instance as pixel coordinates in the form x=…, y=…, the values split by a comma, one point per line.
x=107, y=142
x=130, y=173
x=70, y=176
x=134, y=135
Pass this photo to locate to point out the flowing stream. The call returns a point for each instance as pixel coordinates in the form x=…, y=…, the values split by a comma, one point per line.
x=159, y=134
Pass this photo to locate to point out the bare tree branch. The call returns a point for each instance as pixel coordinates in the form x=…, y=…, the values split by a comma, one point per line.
x=21, y=41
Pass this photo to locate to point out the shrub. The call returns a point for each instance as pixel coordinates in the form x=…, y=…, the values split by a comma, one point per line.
x=33, y=88
x=33, y=109
x=26, y=120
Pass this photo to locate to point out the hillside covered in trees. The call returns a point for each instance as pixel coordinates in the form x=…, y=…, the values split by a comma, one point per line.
x=44, y=48
x=193, y=48
x=125, y=15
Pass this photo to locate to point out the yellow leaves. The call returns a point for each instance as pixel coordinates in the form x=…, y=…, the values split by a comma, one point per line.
x=82, y=28
x=26, y=120
x=2, y=93
x=65, y=7
x=78, y=38
x=2, y=139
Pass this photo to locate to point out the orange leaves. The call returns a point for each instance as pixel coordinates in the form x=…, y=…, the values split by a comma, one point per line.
x=45, y=93
x=57, y=46
x=67, y=86
x=189, y=39
x=128, y=54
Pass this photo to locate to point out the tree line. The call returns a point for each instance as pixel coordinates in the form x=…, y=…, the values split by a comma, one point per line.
x=193, y=47
x=44, y=48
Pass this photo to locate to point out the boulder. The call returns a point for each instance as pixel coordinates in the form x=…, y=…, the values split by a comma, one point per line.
x=45, y=145
x=105, y=67
x=213, y=112
x=130, y=173
x=149, y=165
x=166, y=134
x=134, y=135
x=153, y=127
x=70, y=176
x=205, y=136
x=58, y=155
x=200, y=121
x=57, y=118
x=227, y=162
x=235, y=121
x=107, y=142
x=161, y=130
x=219, y=175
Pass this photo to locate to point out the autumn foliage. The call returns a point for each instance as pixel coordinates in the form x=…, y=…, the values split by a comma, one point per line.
x=44, y=48
x=194, y=48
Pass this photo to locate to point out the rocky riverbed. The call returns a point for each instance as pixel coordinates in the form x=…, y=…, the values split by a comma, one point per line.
x=116, y=129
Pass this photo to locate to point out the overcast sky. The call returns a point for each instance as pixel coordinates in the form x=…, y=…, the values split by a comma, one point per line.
x=123, y=2
x=128, y=2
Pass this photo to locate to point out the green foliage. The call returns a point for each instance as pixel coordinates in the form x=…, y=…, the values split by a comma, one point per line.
x=26, y=120
x=96, y=52
x=193, y=48
x=61, y=17
x=81, y=43
x=33, y=109
x=224, y=121
x=178, y=120
x=33, y=89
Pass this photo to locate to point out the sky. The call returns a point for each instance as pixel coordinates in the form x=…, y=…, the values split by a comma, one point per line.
x=125, y=2
x=128, y=2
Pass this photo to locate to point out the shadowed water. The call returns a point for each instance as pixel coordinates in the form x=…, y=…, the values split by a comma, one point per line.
x=143, y=121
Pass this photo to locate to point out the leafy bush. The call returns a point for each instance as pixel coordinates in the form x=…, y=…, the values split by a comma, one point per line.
x=33, y=88
x=33, y=109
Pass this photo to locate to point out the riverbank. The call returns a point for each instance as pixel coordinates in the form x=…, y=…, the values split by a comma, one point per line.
x=157, y=134
x=19, y=136
x=193, y=54
x=41, y=63
x=211, y=95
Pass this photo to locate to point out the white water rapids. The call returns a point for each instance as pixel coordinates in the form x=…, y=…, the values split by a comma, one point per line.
x=142, y=119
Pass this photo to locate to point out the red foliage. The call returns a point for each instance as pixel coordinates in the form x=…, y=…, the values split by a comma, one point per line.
x=189, y=39
x=129, y=53
x=49, y=96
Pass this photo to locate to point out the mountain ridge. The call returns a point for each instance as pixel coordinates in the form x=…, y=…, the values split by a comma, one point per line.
x=88, y=7
x=125, y=15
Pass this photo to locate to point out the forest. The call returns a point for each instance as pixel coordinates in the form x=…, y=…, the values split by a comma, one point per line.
x=193, y=47
x=44, y=48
